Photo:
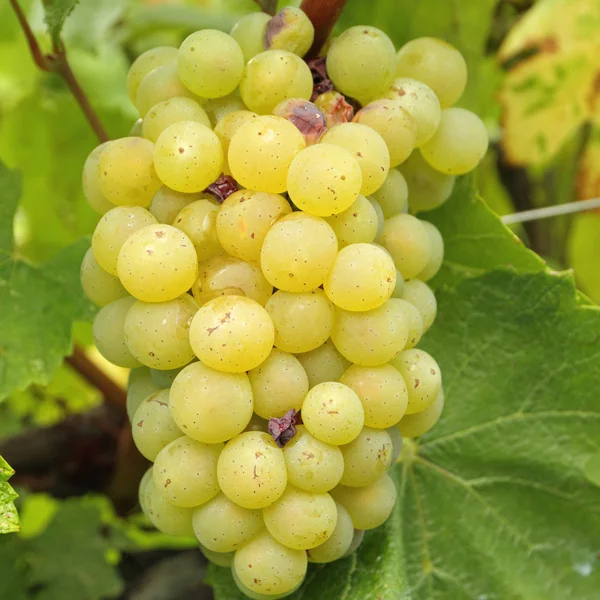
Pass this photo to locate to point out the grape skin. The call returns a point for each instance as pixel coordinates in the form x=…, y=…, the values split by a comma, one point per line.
x=416, y=424
x=249, y=33
x=393, y=194
x=90, y=181
x=167, y=203
x=198, y=220
x=98, y=285
x=338, y=543
x=414, y=321
x=290, y=29
x=226, y=128
x=436, y=258
x=139, y=386
x=146, y=62
x=357, y=224
x=419, y=294
x=324, y=363
x=366, y=458
x=171, y=111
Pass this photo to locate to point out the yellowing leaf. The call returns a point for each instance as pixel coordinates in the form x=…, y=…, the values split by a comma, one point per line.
x=588, y=178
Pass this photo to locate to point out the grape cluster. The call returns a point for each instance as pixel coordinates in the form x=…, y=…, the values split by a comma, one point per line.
x=261, y=271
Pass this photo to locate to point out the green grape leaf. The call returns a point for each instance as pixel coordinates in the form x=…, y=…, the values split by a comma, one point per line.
x=57, y=12
x=9, y=520
x=38, y=304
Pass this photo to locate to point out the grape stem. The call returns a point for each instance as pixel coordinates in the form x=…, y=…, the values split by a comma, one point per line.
x=323, y=14
x=268, y=6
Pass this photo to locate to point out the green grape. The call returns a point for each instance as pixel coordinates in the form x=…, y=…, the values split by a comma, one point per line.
x=198, y=220
x=436, y=257
x=126, y=172
x=438, y=64
x=278, y=384
x=139, y=386
x=232, y=334
x=419, y=294
x=414, y=321
x=298, y=252
x=312, y=465
x=157, y=263
x=225, y=129
x=257, y=596
x=188, y=156
x=271, y=77
x=361, y=62
x=324, y=180
x=251, y=470
x=219, y=108
x=290, y=29
x=382, y=392
x=210, y=63
x=167, y=204
x=142, y=496
x=210, y=406
x=324, y=363
x=420, y=102
x=405, y=238
x=367, y=147
x=302, y=321
x=153, y=426
x=366, y=458
x=393, y=194
x=244, y=220
x=109, y=335
x=219, y=559
x=257, y=424
x=261, y=151
x=267, y=567
x=368, y=506
x=372, y=337
x=357, y=540
x=394, y=124
x=399, y=289
x=249, y=33
x=427, y=188
x=90, y=181
x=459, y=144
x=300, y=519
x=362, y=278
x=222, y=526
x=423, y=378
x=412, y=426
x=136, y=129
x=172, y=111
x=357, y=224
x=146, y=62
x=380, y=217
x=186, y=471
x=99, y=286
x=157, y=333
x=333, y=413
x=397, y=442
x=338, y=543
x=228, y=276
x=164, y=378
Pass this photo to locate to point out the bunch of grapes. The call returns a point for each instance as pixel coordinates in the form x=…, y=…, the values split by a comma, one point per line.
x=261, y=271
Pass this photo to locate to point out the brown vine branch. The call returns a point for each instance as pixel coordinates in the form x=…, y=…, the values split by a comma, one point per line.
x=323, y=14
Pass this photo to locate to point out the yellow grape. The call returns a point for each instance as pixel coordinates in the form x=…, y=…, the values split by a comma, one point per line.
x=392, y=196
x=436, y=257
x=324, y=363
x=225, y=129
x=412, y=426
x=338, y=543
x=367, y=458
x=90, y=181
x=249, y=33
x=99, y=286
x=171, y=111
x=167, y=203
x=290, y=29
x=139, y=387
x=380, y=218
x=420, y=295
x=136, y=128
x=219, y=108
x=356, y=224
x=414, y=321
x=198, y=220
x=146, y=62
x=219, y=559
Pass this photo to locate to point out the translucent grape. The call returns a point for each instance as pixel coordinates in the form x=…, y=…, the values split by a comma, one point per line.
x=256, y=595
x=278, y=384
x=382, y=392
x=380, y=217
x=174, y=110
x=99, y=286
x=324, y=363
x=324, y=180
x=187, y=471
x=251, y=470
x=139, y=386
x=394, y=124
x=333, y=413
x=419, y=294
x=399, y=289
x=249, y=33
x=271, y=77
x=220, y=559
x=361, y=278
x=368, y=149
x=414, y=321
x=244, y=220
x=157, y=333
x=372, y=337
x=146, y=62
x=357, y=540
x=367, y=457
x=393, y=194
x=338, y=543
x=302, y=321
x=136, y=128
x=126, y=172
x=397, y=442
x=222, y=526
x=261, y=151
x=210, y=406
x=167, y=204
x=405, y=238
x=312, y=465
x=356, y=224
x=369, y=506
x=459, y=143
x=226, y=128
x=152, y=425
x=142, y=496
x=164, y=378
x=109, y=335
x=412, y=426
x=306, y=117
x=290, y=29
x=361, y=62
x=436, y=257
x=188, y=156
x=157, y=263
x=232, y=334
x=90, y=181
x=198, y=221
x=438, y=64
x=335, y=108
x=420, y=102
x=301, y=519
x=298, y=252
x=219, y=108
x=423, y=378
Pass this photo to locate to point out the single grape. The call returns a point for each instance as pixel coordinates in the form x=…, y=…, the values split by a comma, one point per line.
x=251, y=470
x=366, y=458
x=164, y=378
x=412, y=426
x=380, y=218
x=357, y=224
x=167, y=203
x=414, y=321
x=249, y=33
x=324, y=363
x=219, y=108
x=219, y=559
x=146, y=62
x=335, y=108
x=436, y=257
x=271, y=77
x=139, y=386
x=198, y=221
x=232, y=334
x=226, y=128
x=393, y=194
x=99, y=286
x=434, y=62
x=306, y=116
x=399, y=289
x=419, y=294
x=382, y=392
x=290, y=29
x=90, y=181
x=397, y=442
x=324, y=180
x=298, y=252
x=168, y=112
x=357, y=540
x=136, y=129
x=157, y=263
x=423, y=378
x=261, y=151
x=142, y=495
x=157, y=333
x=256, y=595
x=338, y=543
